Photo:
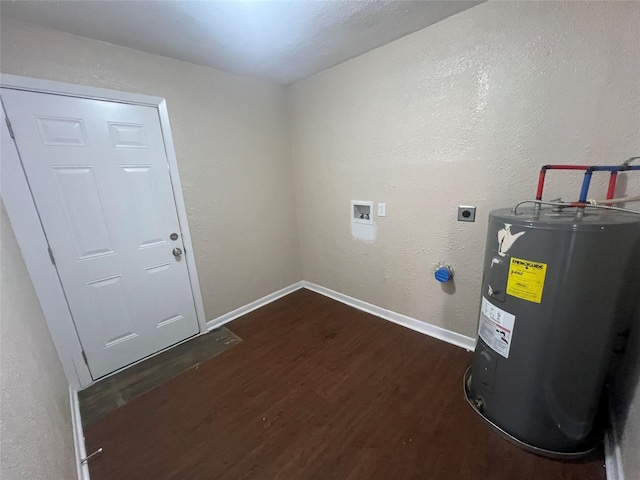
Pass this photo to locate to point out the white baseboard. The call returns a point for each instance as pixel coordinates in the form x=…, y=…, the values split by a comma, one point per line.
x=434, y=331
x=250, y=307
x=612, y=453
x=78, y=435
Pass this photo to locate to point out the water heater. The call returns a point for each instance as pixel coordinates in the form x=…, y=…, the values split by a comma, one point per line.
x=559, y=285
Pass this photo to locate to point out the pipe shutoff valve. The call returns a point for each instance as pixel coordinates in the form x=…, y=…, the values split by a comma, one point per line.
x=443, y=272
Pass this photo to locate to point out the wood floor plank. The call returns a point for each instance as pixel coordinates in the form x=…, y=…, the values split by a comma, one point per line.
x=316, y=390
x=117, y=390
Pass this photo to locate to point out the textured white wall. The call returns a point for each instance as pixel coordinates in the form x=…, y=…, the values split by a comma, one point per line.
x=466, y=110
x=232, y=145
x=463, y=111
x=35, y=419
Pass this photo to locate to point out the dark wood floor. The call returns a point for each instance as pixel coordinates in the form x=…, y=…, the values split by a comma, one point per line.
x=316, y=390
x=117, y=390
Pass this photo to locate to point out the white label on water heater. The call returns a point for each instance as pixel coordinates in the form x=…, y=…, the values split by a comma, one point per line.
x=496, y=327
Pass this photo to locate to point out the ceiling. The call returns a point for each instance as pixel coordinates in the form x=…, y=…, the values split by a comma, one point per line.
x=280, y=41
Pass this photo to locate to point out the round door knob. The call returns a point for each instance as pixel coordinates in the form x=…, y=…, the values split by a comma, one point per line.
x=177, y=252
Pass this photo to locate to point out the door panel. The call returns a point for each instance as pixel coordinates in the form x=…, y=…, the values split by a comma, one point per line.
x=137, y=182
x=128, y=135
x=77, y=191
x=62, y=131
x=113, y=315
x=100, y=179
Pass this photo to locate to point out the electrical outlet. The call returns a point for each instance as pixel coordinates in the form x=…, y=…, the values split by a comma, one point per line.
x=466, y=213
x=382, y=209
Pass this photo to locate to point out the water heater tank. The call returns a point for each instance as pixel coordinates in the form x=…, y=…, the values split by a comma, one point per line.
x=557, y=290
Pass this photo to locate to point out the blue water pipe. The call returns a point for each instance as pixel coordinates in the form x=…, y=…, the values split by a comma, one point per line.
x=588, y=174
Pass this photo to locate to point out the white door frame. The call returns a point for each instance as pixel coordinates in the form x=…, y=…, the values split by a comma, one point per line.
x=25, y=221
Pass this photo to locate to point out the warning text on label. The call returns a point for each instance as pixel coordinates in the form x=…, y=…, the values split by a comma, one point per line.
x=496, y=327
x=526, y=279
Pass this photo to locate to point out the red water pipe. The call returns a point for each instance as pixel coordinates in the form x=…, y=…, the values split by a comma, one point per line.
x=543, y=172
x=588, y=171
x=567, y=167
x=612, y=186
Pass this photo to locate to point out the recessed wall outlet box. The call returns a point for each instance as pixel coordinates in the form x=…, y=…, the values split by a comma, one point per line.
x=466, y=213
x=361, y=211
x=382, y=209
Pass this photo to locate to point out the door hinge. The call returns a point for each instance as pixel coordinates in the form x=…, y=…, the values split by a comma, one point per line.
x=84, y=357
x=53, y=260
x=6, y=120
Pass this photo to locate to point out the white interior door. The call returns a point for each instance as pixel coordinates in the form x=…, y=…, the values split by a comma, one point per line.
x=100, y=179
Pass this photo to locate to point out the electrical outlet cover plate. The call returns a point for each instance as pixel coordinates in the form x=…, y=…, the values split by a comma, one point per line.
x=466, y=213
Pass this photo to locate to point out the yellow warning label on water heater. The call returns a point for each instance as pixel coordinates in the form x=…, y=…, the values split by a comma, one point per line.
x=526, y=279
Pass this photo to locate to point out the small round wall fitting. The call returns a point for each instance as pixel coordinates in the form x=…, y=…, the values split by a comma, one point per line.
x=443, y=273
